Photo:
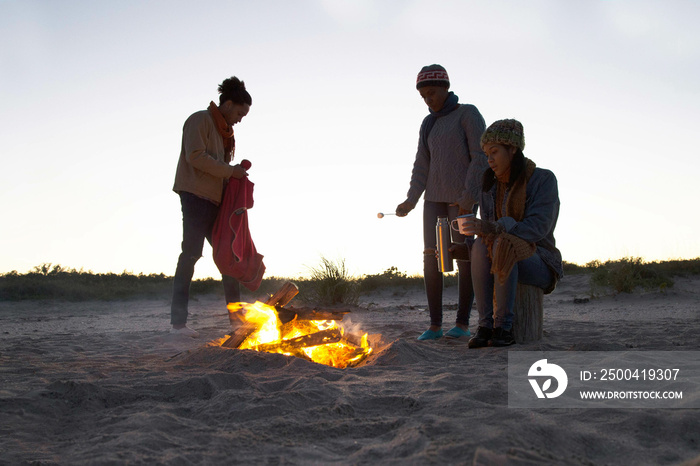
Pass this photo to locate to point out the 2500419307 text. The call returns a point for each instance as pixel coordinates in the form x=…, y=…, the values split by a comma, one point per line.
x=639, y=374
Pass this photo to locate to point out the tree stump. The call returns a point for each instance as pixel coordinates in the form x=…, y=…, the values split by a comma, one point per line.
x=529, y=313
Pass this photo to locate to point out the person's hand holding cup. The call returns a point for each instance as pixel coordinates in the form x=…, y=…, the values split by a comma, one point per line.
x=465, y=224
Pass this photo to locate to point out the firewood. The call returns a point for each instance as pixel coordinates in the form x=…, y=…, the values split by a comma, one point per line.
x=331, y=335
x=284, y=295
x=244, y=329
x=354, y=339
x=358, y=352
x=239, y=336
x=289, y=314
x=296, y=327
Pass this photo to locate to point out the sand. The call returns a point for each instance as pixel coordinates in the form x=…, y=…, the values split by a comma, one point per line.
x=105, y=383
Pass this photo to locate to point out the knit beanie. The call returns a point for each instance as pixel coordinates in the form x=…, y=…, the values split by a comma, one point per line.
x=508, y=132
x=432, y=75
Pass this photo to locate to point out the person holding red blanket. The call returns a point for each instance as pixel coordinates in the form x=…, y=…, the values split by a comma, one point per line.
x=203, y=168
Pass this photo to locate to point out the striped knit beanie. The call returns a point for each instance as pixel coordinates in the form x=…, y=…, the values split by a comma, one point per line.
x=433, y=75
x=508, y=132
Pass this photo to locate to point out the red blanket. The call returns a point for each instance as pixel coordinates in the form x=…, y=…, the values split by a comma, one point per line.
x=234, y=252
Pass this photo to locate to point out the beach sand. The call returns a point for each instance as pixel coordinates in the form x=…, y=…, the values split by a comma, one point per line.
x=105, y=383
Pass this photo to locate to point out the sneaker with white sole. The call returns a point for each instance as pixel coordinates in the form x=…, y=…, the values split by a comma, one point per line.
x=186, y=331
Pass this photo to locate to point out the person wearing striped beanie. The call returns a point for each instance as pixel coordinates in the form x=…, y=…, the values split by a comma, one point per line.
x=447, y=172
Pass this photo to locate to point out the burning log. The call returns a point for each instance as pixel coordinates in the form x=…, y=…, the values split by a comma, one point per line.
x=244, y=329
x=356, y=356
x=288, y=315
x=311, y=334
x=353, y=339
x=323, y=337
x=239, y=336
x=285, y=294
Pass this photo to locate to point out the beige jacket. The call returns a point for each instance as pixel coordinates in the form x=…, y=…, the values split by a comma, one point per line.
x=203, y=165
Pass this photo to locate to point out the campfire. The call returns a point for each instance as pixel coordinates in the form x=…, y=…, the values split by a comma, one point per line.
x=315, y=335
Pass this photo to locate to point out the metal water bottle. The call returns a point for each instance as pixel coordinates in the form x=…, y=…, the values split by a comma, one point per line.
x=444, y=241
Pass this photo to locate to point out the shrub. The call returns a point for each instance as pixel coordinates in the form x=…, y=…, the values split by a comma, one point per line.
x=391, y=277
x=626, y=274
x=573, y=269
x=330, y=283
x=47, y=281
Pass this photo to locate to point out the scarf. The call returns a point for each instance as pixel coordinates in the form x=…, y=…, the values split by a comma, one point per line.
x=224, y=129
x=505, y=249
x=451, y=104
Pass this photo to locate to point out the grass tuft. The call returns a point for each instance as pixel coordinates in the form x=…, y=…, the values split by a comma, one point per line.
x=330, y=283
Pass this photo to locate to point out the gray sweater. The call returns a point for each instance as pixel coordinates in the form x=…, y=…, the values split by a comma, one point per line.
x=452, y=170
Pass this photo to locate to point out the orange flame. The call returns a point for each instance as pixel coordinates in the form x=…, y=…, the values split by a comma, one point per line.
x=321, y=341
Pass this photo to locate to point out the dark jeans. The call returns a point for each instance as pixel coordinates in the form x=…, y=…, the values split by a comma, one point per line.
x=198, y=217
x=531, y=271
x=431, y=273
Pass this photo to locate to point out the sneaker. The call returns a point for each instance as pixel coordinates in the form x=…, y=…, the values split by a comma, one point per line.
x=502, y=337
x=430, y=335
x=481, y=339
x=186, y=331
x=456, y=332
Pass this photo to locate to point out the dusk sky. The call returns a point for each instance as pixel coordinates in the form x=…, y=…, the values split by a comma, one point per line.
x=94, y=95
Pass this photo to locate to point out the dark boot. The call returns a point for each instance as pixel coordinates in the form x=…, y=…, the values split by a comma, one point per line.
x=502, y=337
x=481, y=339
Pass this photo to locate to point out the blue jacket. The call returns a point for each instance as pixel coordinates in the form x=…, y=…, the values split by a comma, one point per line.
x=541, y=213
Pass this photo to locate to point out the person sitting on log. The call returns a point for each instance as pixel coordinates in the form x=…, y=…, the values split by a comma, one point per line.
x=519, y=205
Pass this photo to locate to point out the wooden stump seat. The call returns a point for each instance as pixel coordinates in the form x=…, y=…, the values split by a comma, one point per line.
x=529, y=313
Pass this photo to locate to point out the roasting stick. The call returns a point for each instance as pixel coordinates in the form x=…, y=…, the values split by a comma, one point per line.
x=381, y=215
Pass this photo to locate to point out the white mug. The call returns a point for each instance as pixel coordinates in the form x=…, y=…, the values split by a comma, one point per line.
x=461, y=220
